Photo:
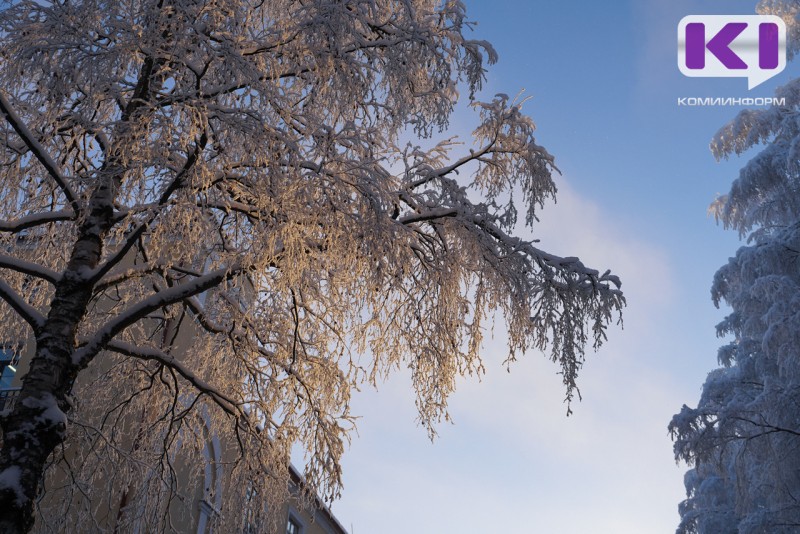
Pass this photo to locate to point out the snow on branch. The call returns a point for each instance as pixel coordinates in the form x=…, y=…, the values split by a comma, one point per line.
x=39, y=152
x=141, y=309
x=30, y=314
x=429, y=215
x=229, y=405
x=128, y=274
x=36, y=219
x=27, y=267
x=177, y=182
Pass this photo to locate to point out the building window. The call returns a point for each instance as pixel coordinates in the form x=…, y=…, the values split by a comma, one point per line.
x=208, y=517
x=9, y=358
x=252, y=509
x=7, y=398
x=292, y=526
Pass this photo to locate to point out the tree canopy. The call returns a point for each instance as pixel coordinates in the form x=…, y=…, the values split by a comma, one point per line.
x=237, y=169
x=743, y=438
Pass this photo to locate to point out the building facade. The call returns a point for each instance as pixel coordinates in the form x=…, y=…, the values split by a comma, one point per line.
x=198, y=514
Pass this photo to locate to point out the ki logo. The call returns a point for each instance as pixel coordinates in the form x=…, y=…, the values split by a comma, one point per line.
x=726, y=46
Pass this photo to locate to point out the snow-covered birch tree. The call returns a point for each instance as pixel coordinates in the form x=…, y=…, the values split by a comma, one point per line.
x=234, y=169
x=743, y=439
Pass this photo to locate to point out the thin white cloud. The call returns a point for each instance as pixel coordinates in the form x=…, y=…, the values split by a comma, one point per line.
x=513, y=462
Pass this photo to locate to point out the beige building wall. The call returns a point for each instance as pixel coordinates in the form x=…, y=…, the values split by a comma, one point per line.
x=196, y=517
x=293, y=518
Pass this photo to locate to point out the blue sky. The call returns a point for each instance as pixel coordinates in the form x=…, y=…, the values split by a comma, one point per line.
x=638, y=177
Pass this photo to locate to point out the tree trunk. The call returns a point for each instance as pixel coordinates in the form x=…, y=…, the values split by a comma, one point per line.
x=37, y=424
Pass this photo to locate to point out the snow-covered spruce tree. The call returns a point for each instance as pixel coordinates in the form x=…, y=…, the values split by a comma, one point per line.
x=232, y=167
x=743, y=439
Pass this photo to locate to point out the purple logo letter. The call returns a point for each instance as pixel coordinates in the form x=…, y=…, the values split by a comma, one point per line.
x=719, y=45
x=768, y=47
